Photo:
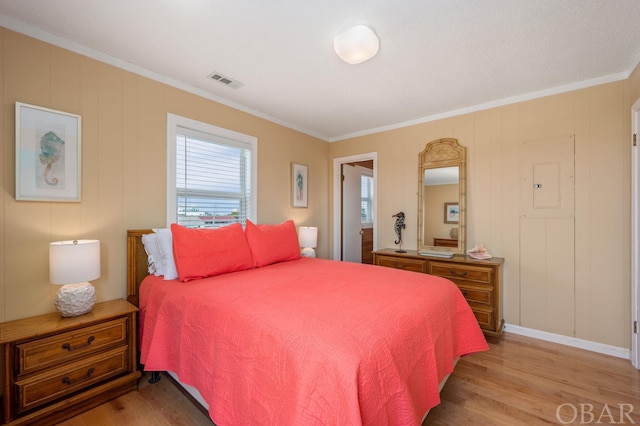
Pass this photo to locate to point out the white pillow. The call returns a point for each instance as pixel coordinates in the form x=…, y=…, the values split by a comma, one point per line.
x=165, y=243
x=154, y=256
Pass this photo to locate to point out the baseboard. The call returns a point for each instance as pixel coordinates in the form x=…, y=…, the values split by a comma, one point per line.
x=569, y=341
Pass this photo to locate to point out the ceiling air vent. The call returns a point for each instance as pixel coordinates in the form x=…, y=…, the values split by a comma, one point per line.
x=223, y=79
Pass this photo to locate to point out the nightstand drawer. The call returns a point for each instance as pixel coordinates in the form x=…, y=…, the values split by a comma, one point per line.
x=462, y=272
x=43, y=353
x=414, y=265
x=53, y=384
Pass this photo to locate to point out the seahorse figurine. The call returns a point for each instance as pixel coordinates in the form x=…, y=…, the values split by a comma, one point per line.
x=399, y=226
x=51, y=147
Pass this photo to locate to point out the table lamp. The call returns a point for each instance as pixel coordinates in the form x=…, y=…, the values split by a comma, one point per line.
x=308, y=239
x=72, y=264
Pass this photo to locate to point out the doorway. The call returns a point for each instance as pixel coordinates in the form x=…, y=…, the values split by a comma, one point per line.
x=357, y=214
x=349, y=199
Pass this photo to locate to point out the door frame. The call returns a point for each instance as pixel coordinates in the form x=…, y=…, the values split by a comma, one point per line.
x=337, y=200
x=635, y=234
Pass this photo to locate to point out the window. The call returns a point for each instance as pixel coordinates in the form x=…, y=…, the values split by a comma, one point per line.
x=366, y=197
x=211, y=177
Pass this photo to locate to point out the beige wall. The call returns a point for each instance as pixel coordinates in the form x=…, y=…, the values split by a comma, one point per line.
x=124, y=173
x=599, y=117
x=123, y=166
x=634, y=81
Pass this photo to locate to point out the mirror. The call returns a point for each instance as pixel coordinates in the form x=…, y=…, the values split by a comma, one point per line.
x=441, y=196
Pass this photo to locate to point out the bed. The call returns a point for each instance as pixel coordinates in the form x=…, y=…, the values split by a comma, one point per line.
x=297, y=341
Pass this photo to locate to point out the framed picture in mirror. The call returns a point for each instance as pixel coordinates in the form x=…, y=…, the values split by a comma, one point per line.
x=451, y=212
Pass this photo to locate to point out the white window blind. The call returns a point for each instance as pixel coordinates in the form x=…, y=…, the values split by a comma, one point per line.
x=213, y=180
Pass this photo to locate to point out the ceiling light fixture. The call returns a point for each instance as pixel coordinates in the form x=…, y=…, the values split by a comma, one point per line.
x=356, y=44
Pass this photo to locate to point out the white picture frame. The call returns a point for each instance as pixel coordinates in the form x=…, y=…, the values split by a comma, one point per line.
x=48, y=154
x=299, y=185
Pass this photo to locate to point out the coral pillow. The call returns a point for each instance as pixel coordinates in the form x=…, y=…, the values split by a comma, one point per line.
x=203, y=253
x=272, y=243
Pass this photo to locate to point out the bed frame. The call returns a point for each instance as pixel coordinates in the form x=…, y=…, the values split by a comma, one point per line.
x=137, y=270
x=137, y=267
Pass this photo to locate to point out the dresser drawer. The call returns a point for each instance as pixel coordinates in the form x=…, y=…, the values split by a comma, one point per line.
x=457, y=272
x=415, y=265
x=42, y=353
x=57, y=383
x=480, y=281
x=477, y=294
x=485, y=317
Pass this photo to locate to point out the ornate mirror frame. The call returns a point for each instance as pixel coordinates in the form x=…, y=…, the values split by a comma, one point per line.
x=441, y=153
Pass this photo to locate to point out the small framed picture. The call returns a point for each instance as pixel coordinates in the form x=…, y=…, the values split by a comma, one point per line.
x=299, y=185
x=451, y=212
x=48, y=154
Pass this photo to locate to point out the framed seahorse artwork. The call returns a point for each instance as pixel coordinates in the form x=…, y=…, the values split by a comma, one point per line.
x=299, y=185
x=48, y=154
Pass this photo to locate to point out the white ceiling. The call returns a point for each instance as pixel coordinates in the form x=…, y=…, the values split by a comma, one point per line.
x=437, y=58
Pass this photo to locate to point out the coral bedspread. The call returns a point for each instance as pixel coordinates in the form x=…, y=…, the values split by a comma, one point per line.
x=309, y=341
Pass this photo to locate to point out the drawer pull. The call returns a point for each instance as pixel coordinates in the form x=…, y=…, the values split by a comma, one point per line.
x=68, y=381
x=70, y=348
x=397, y=266
x=453, y=273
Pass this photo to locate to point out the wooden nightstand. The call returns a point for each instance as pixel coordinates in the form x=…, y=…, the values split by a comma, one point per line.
x=58, y=367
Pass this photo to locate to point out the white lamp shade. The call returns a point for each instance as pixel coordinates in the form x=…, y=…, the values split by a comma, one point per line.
x=308, y=236
x=74, y=261
x=356, y=44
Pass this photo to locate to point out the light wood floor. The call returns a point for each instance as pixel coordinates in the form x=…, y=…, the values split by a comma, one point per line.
x=520, y=381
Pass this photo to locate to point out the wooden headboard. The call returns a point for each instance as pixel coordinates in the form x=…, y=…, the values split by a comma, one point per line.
x=137, y=267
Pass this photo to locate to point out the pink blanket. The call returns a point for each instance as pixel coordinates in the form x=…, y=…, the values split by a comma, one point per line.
x=309, y=342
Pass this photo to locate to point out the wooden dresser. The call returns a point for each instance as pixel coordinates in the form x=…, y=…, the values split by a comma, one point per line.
x=57, y=367
x=479, y=280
